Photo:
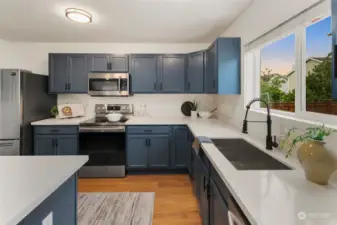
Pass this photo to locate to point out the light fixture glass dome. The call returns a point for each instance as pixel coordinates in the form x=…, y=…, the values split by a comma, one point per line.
x=78, y=15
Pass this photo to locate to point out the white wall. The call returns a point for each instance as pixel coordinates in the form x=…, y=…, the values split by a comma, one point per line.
x=260, y=17
x=6, y=54
x=34, y=56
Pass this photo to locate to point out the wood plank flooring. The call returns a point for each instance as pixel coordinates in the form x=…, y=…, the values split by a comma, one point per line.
x=175, y=203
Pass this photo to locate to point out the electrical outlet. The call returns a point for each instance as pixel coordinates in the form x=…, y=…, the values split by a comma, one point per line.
x=48, y=220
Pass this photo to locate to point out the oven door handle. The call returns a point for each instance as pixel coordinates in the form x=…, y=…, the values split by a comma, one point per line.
x=116, y=129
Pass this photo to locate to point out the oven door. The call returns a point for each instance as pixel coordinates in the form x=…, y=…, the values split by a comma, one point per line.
x=107, y=154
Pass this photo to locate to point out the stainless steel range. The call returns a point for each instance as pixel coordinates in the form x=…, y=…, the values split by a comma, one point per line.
x=104, y=142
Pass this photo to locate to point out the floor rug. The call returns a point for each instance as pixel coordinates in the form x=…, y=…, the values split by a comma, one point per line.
x=107, y=208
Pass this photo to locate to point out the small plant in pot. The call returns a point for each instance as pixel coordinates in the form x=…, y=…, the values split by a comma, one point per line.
x=316, y=160
x=194, y=108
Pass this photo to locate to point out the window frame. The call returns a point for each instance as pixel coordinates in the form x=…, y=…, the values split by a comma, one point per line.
x=300, y=70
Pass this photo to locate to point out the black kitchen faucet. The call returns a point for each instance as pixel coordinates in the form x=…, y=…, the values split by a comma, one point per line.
x=269, y=139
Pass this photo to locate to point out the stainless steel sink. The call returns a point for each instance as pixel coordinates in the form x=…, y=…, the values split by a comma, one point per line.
x=245, y=156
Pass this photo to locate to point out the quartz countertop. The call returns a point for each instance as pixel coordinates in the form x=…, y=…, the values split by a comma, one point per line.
x=26, y=181
x=265, y=197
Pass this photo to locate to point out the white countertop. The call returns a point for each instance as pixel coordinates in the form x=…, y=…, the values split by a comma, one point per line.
x=26, y=181
x=266, y=197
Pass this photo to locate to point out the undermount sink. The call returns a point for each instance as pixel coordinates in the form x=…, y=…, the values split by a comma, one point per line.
x=244, y=156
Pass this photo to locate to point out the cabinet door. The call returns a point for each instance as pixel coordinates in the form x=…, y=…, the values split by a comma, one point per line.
x=67, y=145
x=44, y=145
x=211, y=70
x=99, y=62
x=78, y=70
x=144, y=72
x=173, y=74
x=180, y=156
x=218, y=207
x=137, y=152
x=203, y=193
x=229, y=66
x=119, y=63
x=195, y=72
x=58, y=73
x=159, y=151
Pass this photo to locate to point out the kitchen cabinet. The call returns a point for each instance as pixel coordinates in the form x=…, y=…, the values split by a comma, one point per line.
x=159, y=151
x=144, y=72
x=109, y=63
x=44, y=145
x=68, y=73
x=172, y=74
x=55, y=145
x=55, y=140
x=203, y=187
x=196, y=72
x=137, y=153
x=223, y=67
x=211, y=79
x=218, y=206
x=158, y=73
x=181, y=154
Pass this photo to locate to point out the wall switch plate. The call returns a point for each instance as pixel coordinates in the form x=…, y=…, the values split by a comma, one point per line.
x=48, y=220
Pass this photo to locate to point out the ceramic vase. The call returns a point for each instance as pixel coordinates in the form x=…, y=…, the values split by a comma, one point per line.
x=316, y=161
x=194, y=115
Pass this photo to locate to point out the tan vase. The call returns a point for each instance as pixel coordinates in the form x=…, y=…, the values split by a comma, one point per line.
x=316, y=161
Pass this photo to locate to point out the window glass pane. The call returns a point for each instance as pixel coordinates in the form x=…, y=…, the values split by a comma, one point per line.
x=319, y=68
x=278, y=80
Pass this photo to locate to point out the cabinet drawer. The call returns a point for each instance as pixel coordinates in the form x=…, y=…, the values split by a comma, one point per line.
x=55, y=129
x=149, y=130
x=220, y=184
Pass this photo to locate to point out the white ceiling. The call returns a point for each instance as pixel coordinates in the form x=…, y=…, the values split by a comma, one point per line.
x=118, y=20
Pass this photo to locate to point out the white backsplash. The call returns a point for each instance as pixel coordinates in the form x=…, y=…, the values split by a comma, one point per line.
x=158, y=105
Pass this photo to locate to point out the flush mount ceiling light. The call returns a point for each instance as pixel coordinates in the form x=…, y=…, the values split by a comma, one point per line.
x=78, y=15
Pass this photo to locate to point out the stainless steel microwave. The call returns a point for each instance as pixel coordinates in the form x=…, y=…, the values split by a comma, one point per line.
x=109, y=84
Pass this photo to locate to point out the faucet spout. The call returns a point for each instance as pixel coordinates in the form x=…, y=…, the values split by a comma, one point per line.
x=269, y=140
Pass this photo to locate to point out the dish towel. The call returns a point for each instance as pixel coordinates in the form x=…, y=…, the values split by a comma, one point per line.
x=203, y=139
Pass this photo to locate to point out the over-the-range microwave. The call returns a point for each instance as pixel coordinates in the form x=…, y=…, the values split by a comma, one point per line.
x=109, y=84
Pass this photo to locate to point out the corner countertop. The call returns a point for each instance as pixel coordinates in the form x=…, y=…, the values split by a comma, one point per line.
x=265, y=197
x=26, y=181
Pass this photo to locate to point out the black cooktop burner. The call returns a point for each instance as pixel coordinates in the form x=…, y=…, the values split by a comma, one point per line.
x=103, y=121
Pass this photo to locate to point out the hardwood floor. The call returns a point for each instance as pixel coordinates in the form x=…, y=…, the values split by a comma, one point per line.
x=175, y=203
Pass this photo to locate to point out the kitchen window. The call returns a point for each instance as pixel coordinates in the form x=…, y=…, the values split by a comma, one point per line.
x=291, y=69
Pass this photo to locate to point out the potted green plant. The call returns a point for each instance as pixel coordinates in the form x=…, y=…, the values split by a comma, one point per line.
x=316, y=160
x=194, y=108
x=54, y=111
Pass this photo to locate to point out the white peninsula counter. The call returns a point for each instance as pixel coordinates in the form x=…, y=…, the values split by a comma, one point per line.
x=27, y=182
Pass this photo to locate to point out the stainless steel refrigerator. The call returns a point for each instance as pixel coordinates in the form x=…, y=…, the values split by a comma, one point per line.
x=24, y=99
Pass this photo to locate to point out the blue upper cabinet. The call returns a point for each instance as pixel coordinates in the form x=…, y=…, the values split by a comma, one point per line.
x=78, y=70
x=172, y=74
x=211, y=78
x=144, y=71
x=196, y=72
x=68, y=73
x=109, y=63
x=229, y=66
x=223, y=67
x=334, y=47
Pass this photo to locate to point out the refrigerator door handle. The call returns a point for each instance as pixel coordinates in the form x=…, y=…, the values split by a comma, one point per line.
x=9, y=147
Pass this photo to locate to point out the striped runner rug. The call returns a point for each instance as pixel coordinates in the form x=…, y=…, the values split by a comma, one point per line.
x=107, y=208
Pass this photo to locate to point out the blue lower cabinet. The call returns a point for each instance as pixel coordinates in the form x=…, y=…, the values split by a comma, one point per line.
x=159, y=151
x=203, y=193
x=67, y=145
x=137, y=153
x=218, y=206
x=181, y=155
x=44, y=145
